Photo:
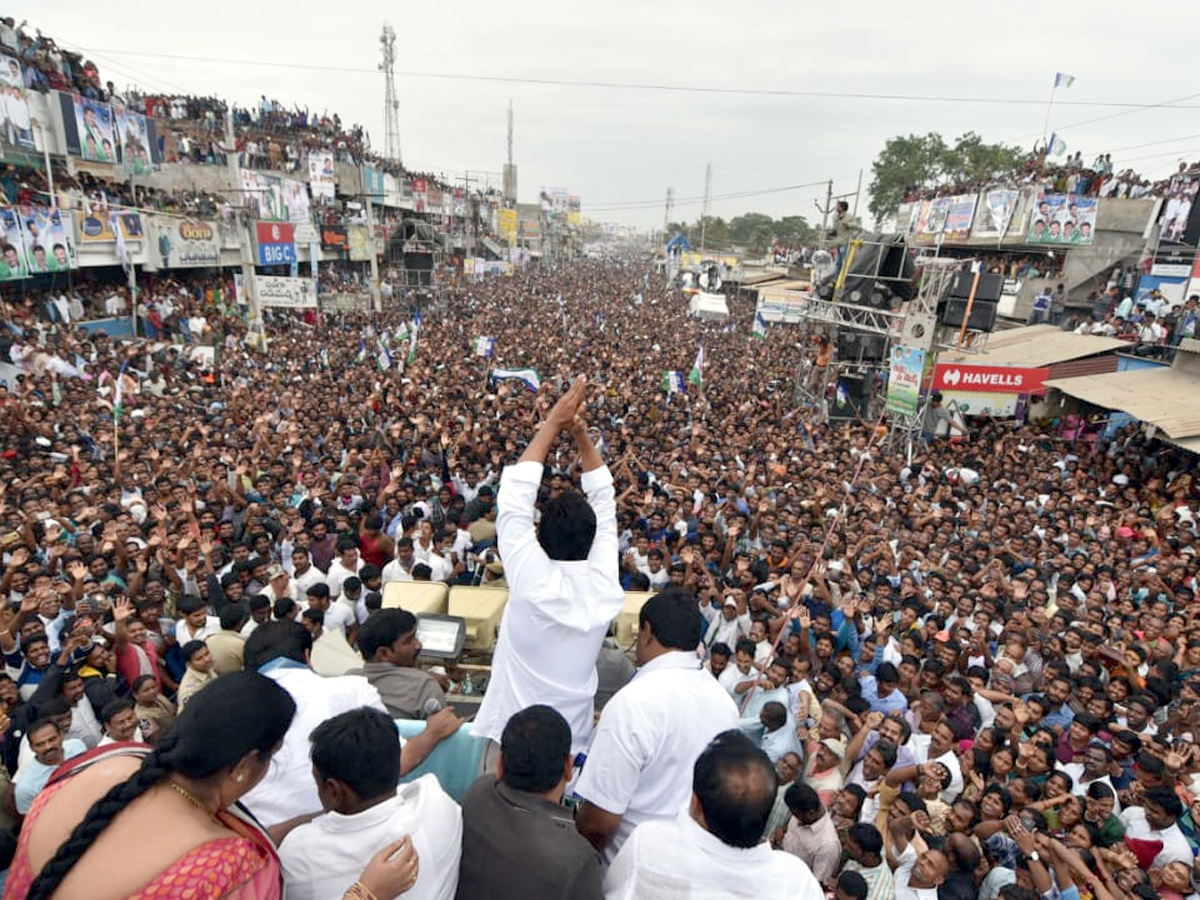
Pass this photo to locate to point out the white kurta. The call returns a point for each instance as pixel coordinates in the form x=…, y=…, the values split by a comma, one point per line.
x=558, y=613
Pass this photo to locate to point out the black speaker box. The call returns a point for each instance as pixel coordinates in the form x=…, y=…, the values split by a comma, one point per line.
x=855, y=345
x=983, y=314
x=989, y=286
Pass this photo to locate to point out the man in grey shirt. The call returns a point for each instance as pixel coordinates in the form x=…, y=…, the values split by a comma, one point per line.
x=389, y=644
x=519, y=842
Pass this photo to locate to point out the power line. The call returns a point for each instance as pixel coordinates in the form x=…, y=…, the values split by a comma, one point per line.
x=645, y=86
x=679, y=201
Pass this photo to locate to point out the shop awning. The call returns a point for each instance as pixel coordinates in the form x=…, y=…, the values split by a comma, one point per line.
x=1164, y=397
x=1035, y=346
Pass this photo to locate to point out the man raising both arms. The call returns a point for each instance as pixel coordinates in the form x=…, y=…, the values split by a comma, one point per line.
x=563, y=584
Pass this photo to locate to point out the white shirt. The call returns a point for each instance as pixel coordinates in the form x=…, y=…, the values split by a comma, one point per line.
x=679, y=860
x=288, y=790
x=393, y=571
x=339, y=573
x=732, y=677
x=558, y=613
x=1175, y=845
x=650, y=734
x=184, y=632
x=323, y=858
x=903, y=873
x=919, y=745
x=340, y=617
x=307, y=580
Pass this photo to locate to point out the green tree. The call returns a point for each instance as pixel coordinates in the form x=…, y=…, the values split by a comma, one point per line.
x=926, y=161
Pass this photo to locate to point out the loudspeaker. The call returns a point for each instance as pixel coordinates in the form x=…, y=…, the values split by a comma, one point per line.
x=983, y=314
x=856, y=345
x=989, y=288
x=850, y=397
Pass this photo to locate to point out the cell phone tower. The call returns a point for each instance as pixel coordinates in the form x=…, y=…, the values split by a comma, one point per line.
x=391, y=103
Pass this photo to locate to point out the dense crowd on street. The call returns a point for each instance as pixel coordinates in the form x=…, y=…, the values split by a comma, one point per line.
x=975, y=674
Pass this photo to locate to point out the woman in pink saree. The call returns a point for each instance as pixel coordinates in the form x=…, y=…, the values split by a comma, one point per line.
x=127, y=822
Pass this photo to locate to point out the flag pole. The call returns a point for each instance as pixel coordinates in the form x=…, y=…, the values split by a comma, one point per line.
x=1046, y=123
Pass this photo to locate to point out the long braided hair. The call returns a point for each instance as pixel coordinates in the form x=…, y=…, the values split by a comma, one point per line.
x=237, y=714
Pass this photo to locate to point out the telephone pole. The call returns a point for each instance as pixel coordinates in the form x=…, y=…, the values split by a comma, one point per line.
x=704, y=209
x=668, y=212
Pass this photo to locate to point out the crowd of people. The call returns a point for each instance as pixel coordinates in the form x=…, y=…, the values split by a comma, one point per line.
x=1072, y=175
x=974, y=674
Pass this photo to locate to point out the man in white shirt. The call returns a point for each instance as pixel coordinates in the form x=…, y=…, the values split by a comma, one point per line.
x=280, y=650
x=400, y=568
x=653, y=730
x=304, y=573
x=1157, y=819
x=563, y=582
x=356, y=764
x=196, y=624
x=338, y=616
x=715, y=847
x=916, y=870
x=728, y=625
x=347, y=563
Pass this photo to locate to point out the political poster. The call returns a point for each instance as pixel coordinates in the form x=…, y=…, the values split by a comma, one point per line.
x=97, y=228
x=263, y=196
x=935, y=222
x=574, y=210
x=420, y=194
x=995, y=213
x=321, y=177
x=959, y=215
x=276, y=243
x=554, y=202
x=14, y=111
x=12, y=257
x=904, y=380
x=1063, y=219
x=285, y=293
x=137, y=142
x=47, y=246
x=1180, y=222
x=88, y=129
x=185, y=243
x=297, y=208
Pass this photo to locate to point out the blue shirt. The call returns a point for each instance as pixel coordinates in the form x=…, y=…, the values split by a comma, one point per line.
x=1059, y=718
x=893, y=702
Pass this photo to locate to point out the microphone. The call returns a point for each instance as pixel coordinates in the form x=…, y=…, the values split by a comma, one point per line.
x=432, y=706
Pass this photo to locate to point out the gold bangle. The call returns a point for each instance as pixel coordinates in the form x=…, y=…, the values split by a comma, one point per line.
x=360, y=891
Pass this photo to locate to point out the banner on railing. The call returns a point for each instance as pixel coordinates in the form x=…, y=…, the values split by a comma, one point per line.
x=285, y=293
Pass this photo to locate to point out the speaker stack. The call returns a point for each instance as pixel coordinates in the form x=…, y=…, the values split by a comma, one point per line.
x=856, y=346
x=953, y=309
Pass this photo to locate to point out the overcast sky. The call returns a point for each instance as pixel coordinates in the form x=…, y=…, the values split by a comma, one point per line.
x=616, y=147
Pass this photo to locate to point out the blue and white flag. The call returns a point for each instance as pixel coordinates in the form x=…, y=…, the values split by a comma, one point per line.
x=385, y=359
x=760, y=325
x=362, y=350
x=1063, y=80
x=673, y=382
x=412, y=338
x=484, y=346
x=1057, y=146
x=529, y=377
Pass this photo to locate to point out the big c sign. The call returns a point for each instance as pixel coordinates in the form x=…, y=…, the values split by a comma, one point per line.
x=989, y=379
